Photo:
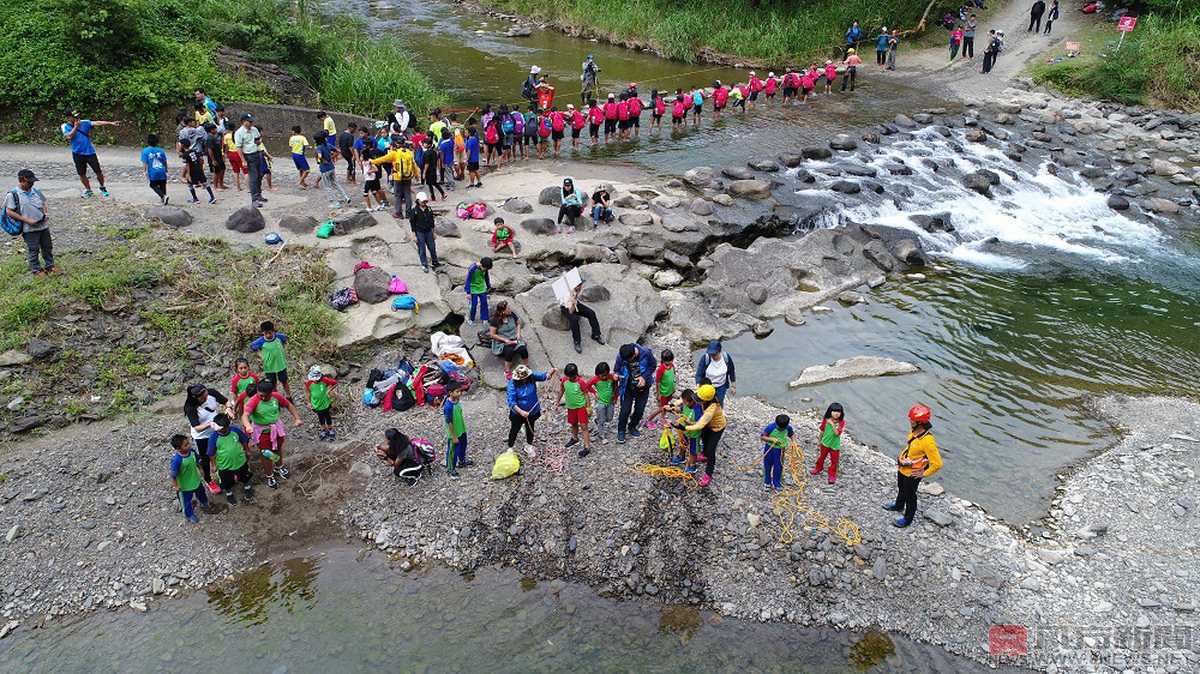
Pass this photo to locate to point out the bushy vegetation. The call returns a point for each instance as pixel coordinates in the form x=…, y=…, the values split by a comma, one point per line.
x=766, y=29
x=1157, y=64
x=135, y=57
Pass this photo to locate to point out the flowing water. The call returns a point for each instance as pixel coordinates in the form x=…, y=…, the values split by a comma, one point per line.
x=336, y=610
x=1045, y=297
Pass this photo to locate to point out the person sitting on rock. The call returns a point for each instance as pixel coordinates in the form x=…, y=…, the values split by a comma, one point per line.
x=504, y=330
x=572, y=308
x=572, y=205
x=503, y=237
x=601, y=207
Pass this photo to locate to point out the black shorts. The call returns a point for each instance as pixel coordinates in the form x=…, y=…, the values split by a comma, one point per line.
x=473, y=166
x=676, y=120
x=276, y=378
x=196, y=175
x=539, y=139
x=228, y=477
x=753, y=95
x=637, y=122
x=83, y=161
x=325, y=416
x=371, y=186
x=697, y=109
x=622, y=124
x=610, y=125
x=789, y=92
x=556, y=135
x=493, y=146
x=594, y=130
x=657, y=117
x=575, y=132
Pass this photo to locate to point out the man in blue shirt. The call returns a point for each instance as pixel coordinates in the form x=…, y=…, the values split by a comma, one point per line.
x=154, y=159
x=325, y=152
x=79, y=133
x=853, y=35
x=472, y=147
x=634, y=368
x=446, y=148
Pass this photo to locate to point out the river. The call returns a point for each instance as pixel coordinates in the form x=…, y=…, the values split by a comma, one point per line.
x=337, y=609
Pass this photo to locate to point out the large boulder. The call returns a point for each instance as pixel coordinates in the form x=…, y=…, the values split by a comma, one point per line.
x=977, y=182
x=666, y=201
x=1162, y=206
x=700, y=207
x=298, y=224
x=636, y=219
x=846, y=187
x=666, y=278
x=816, y=153
x=446, y=228
x=246, y=220
x=975, y=135
x=540, y=226
x=852, y=368
x=517, y=205
x=737, y=173
x=843, y=142
x=700, y=176
x=353, y=222
x=550, y=196
x=791, y=159
x=371, y=284
x=909, y=252
x=765, y=165
x=1118, y=202
x=749, y=189
x=1162, y=167
x=172, y=216
x=628, y=200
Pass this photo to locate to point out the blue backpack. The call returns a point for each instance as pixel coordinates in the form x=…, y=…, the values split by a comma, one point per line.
x=507, y=125
x=12, y=225
x=404, y=303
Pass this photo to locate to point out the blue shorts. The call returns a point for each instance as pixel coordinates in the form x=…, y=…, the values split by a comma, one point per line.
x=301, y=162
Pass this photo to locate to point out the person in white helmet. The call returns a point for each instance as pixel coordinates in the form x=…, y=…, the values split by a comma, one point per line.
x=529, y=87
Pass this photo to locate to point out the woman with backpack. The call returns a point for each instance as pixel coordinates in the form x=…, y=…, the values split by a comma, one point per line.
x=491, y=137
x=507, y=128
x=558, y=127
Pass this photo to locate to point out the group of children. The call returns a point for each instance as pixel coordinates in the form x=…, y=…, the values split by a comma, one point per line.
x=215, y=440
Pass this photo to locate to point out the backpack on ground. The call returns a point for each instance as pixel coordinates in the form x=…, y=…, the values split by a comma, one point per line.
x=405, y=303
x=12, y=225
x=343, y=298
x=397, y=287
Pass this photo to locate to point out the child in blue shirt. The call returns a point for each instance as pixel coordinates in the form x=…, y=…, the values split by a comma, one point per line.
x=446, y=148
x=478, y=285
x=472, y=146
x=154, y=159
x=185, y=476
x=776, y=437
x=456, y=432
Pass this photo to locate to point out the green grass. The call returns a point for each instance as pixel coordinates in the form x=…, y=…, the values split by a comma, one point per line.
x=370, y=74
x=1156, y=65
x=773, y=30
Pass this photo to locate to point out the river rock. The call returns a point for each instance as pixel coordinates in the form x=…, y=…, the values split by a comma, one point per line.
x=856, y=367
x=518, y=31
x=353, y=222
x=550, y=196
x=860, y=170
x=1162, y=167
x=871, y=137
x=765, y=165
x=700, y=176
x=246, y=220
x=666, y=278
x=909, y=252
x=850, y=298
x=846, y=187
x=816, y=153
x=40, y=349
x=666, y=202
x=791, y=159
x=1163, y=206
x=722, y=199
x=700, y=207
x=1118, y=203
x=937, y=222
x=978, y=182
x=517, y=205
x=628, y=200
x=371, y=284
x=975, y=135
x=904, y=121
x=14, y=357
x=749, y=189
x=636, y=219
x=762, y=329
x=446, y=228
x=298, y=224
x=172, y=216
x=757, y=293
x=737, y=173
x=540, y=226
x=843, y=142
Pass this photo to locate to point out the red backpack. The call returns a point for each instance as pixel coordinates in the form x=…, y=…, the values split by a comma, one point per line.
x=557, y=123
x=544, y=127
x=491, y=135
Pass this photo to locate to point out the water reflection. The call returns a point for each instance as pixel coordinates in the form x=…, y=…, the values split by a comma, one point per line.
x=248, y=598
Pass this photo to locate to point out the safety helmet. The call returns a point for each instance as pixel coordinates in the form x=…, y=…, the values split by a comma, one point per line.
x=706, y=392
x=920, y=414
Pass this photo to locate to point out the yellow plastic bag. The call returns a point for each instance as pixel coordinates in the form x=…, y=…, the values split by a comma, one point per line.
x=666, y=441
x=507, y=465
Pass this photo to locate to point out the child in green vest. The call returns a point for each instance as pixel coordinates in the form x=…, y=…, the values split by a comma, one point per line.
x=776, y=437
x=456, y=432
x=604, y=386
x=573, y=393
x=232, y=444
x=261, y=414
x=243, y=378
x=320, y=396
x=664, y=379
x=689, y=411
x=503, y=237
x=185, y=476
x=270, y=345
x=831, y=429
x=478, y=286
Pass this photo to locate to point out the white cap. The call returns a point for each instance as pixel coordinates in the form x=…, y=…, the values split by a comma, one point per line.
x=421, y=196
x=752, y=73
x=533, y=70
x=770, y=74
x=883, y=30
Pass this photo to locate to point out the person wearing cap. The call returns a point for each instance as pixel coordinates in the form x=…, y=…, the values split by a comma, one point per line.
x=919, y=459
x=634, y=368
x=26, y=205
x=588, y=77
x=524, y=405
x=421, y=222
x=881, y=46
x=716, y=368
x=79, y=133
x=529, y=86
x=852, y=63
x=319, y=389
x=399, y=119
x=248, y=139
x=711, y=426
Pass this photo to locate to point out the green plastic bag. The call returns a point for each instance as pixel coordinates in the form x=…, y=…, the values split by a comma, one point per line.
x=325, y=230
x=507, y=465
x=666, y=441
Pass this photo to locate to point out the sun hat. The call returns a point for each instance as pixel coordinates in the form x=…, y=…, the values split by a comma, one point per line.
x=521, y=372
x=397, y=103
x=314, y=373
x=421, y=196
x=533, y=70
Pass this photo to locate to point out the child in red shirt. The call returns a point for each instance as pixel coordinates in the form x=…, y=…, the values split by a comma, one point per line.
x=573, y=393
x=243, y=377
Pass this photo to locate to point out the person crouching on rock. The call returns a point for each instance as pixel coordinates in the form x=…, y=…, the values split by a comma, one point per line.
x=711, y=425
x=524, y=406
x=831, y=440
x=503, y=237
x=918, y=459
x=397, y=452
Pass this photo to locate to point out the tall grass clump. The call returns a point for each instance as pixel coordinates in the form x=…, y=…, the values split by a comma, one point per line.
x=368, y=74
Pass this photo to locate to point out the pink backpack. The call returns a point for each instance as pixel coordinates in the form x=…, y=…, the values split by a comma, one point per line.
x=397, y=287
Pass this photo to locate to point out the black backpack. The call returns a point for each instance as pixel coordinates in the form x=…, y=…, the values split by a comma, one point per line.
x=527, y=89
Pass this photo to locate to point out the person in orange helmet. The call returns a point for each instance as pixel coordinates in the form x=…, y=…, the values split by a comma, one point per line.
x=918, y=459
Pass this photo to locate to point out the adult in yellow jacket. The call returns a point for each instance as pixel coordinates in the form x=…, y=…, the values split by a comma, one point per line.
x=404, y=171
x=711, y=425
x=918, y=459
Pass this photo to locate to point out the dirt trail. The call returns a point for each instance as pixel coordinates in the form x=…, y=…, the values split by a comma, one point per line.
x=932, y=69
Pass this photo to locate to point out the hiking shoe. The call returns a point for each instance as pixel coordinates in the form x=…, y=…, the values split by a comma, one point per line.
x=166, y=200
x=193, y=519
x=892, y=506
x=39, y=273
x=598, y=339
x=231, y=498
x=425, y=269
x=690, y=470
x=192, y=201
x=466, y=463
x=578, y=347
x=104, y=192
x=281, y=472
x=212, y=200
x=584, y=452
x=635, y=433
x=620, y=438
x=272, y=482
x=676, y=461
x=453, y=474
x=332, y=434
x=572, y=442
x=86, y=194
x=901, y=522
x=247, y=494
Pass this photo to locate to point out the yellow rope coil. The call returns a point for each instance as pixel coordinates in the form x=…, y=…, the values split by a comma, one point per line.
x=663, y=471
